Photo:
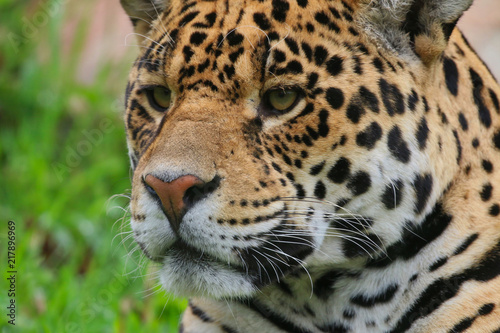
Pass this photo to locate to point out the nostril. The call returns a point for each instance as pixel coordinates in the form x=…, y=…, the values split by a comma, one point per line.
x=150, y=190
x=200, y=191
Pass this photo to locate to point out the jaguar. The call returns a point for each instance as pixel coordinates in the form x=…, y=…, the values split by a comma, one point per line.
x=316, y=165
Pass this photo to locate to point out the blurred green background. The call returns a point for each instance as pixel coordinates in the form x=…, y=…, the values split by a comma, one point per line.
x=63, y=70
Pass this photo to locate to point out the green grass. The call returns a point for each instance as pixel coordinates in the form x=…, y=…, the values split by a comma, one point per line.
x=62, y=156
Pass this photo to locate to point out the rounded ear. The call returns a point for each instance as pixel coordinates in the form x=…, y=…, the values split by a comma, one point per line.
x=413, y=28
x=142, y=13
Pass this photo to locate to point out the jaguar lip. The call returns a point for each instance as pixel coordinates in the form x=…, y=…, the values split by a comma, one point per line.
x=189, y=252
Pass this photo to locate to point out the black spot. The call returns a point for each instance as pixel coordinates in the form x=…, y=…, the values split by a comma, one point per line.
x=307, y=110
x=312, y=79
x=341, y=203
x=292, y=45
x=227, y=329
x=354, y=111
x=188, y=53
x=340, y=171
x=229, y=70
x=323, y=286
x=363, y=99
x=393, y=194
x=392, y=98
x=462, y=325
x=415, y=238
x=383, y=297
x=320, y=190
x=203, y=66
x=463, y=121
x=335, y=98
x=438, y=263
x=486, y=192
x=486, y=309
x=484, y=112
x=301, y=193
x=323, y=19
x=323, y=128
x=496, y=139
x=280, y=9
x=475, y=142
x=200, y=313
x=320, y=55
x=359, y=183
x=422, y=133
x=369, y=136
x=378, y=65
x=235, y=38
x=306, y=140
x=262, y=21
x=141, y=111
x=355, y=248
x=466, y=244
x=334, y=65
x=444, y=119
x=451, y=75
x=412, y=100
x=369, y=99
x=348, y=314
x=269, y=315
x=333, y=327
x=353, y=31
x=294, y=67
x=487, y=166
x=357, y=65
x=494, y=210
x=423, y=188
x=211, y=19
x=186, y=19
x=310, y=27
x=315, y=170
x=235, y=55
x=335, y=13
x=197, y=37
x=397, y=146
x=307, y=50
x=494, y=99
x=273, y=35
x=279, y=56
x=302, y=3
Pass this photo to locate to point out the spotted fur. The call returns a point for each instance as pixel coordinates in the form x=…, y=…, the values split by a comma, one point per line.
x=372, y=205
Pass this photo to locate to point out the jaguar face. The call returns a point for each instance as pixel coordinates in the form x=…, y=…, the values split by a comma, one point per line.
x=268, y=139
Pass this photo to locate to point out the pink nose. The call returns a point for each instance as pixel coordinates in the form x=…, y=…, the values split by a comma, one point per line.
x=176, y=196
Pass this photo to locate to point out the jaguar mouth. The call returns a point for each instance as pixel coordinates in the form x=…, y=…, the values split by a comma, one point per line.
x=260, y=265
x=189, y=253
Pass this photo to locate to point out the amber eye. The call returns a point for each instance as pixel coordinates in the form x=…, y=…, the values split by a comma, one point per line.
x=159, y=98
x=282, y=100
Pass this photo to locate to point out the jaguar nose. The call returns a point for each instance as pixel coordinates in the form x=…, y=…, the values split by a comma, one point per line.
x=178, y=195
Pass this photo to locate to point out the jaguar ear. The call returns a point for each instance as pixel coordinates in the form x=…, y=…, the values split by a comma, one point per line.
x=413, y=27
x=142, y=13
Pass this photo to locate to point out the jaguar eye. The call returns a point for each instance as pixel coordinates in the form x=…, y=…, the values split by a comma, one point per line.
x=159, y=98
x=282, y=100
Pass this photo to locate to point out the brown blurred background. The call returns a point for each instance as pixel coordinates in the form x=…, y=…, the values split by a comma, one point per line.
x=481, y=25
